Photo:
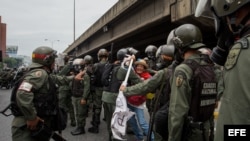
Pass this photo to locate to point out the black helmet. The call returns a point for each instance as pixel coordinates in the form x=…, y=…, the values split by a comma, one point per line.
x=88, y=59
x=102, y=53
x=43, y=56
x=187, y=36
x=122, y=54
x=150, y=51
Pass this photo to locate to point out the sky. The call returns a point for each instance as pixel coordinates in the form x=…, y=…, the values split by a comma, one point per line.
x=34, y=23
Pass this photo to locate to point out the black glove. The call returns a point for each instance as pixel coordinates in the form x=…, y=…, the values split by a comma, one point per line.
x=225, y=41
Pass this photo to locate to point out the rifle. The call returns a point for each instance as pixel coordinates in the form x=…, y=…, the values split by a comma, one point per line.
x=43, y=132
x=5, y=110
x=189, y=124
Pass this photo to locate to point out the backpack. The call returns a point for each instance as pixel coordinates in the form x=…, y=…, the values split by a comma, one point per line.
x=107, y=74
x=204, y=90
x=13, y=105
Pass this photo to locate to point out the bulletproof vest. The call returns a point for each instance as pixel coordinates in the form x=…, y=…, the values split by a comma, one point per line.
x=46, y=103
x=98, y=74
x=167, y=87
x=77, y=88
x=113, y=84
x=204, y=90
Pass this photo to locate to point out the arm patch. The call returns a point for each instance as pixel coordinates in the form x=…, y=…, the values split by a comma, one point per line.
x=180, y=76
x=25, y=86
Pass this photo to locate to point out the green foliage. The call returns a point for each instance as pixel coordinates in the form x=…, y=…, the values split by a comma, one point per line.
x=12, y=62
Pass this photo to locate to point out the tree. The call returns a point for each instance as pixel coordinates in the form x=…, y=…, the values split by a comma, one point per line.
x=12, y=62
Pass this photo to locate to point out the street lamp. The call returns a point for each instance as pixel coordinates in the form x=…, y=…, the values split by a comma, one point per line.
x=74, y=19
x=52, y=41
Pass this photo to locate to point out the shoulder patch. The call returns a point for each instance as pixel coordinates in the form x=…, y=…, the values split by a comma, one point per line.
x=233, y=56
x=180, y=76
x=38, y=73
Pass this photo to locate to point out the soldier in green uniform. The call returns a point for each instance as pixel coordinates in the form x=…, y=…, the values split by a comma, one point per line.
x=191, y=105
x=80, y=94
x=36, y=95
x=232, y=51
x=154, y=84
x=98, y=89
x=111, y=90
x=65, y=92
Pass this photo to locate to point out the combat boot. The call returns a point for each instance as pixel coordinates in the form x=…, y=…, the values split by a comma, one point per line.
x=94, y=129
x=78, y=131
x=73, y=123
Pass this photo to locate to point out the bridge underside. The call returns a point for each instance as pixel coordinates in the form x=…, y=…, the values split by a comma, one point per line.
x=138, y=25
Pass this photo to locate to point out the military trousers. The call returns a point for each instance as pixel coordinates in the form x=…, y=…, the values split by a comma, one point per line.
x=81, y=111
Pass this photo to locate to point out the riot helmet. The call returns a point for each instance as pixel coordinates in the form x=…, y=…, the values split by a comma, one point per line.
x=227, y=7
x=187, y=36
x=78, y=64
x=150, y=51
x=170, y=37
x=102, y=53
x=43, y=56
x=158, y=52
x=121, y=54
x=88, y=59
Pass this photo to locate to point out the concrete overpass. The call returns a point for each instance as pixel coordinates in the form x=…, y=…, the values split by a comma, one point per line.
x=138, y=23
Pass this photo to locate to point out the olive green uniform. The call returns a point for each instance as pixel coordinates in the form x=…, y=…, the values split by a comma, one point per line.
x=180, y=100
x=236, y=96
x=65, y=102
x=81, y=111
x=109, y=98
x=97, y=98
x=40, y=86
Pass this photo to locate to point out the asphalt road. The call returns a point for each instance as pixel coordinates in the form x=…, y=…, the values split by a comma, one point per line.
x=5, y=122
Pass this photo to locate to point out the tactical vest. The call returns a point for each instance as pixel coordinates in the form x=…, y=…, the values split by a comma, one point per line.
x=204, y=90
x=77, y=88
x=46, y=103
x=167, y=87
x=113, y=84
x=98, y=74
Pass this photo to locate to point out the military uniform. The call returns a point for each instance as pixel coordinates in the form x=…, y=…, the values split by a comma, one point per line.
x=97, y=96
x=80, y=91
x=109, y=98
x=32, y=92
x=180, y=100
x=235, y=98
x=65, y=102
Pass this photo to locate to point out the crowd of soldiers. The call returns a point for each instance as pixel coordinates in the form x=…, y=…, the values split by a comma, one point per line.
x=187, y=82
x=8, y=76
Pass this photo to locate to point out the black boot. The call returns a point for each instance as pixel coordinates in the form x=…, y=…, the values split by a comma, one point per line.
x=78, y=131
x=94, y=129
x=73, y=123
